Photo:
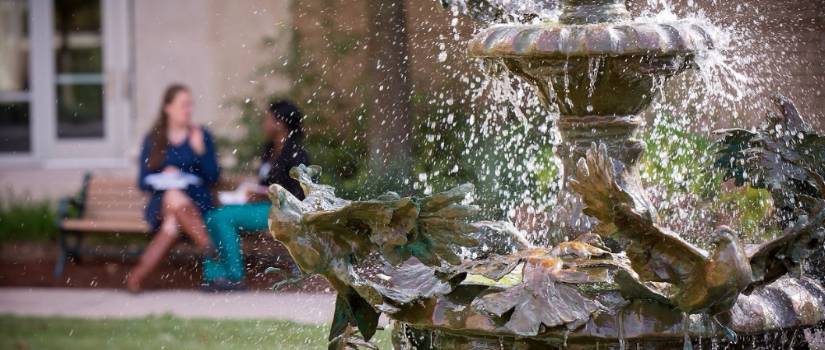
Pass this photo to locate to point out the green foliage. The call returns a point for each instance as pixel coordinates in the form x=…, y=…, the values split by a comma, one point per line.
x=342, y=155
x=682, y=163
x=449, y=151
x=752, y=208
x=340, y=149
x=22, y=219
x=679, y=160
x=164, y=332
x=548, y=174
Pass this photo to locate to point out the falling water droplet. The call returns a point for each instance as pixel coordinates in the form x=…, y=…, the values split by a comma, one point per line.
x=620, y=321
x=442, y=56
x=688, y=345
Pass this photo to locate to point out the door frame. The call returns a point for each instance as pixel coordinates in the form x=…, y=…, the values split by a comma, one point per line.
x=47, y=150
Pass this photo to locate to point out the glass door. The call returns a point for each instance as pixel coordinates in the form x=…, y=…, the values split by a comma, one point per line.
x=78, y=52
x=64, y=81
x=15, y=97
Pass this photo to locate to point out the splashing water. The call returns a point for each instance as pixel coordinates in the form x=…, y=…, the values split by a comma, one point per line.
x=505, y=118
x=508, y=10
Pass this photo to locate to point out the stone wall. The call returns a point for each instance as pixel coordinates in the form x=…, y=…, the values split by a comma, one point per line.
x=213, y=46
x=787, y=49
x=331, y=75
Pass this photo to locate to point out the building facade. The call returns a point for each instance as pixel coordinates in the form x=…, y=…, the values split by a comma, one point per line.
x=81, y=80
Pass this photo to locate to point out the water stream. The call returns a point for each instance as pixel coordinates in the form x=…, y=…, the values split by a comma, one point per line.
x=506, y=119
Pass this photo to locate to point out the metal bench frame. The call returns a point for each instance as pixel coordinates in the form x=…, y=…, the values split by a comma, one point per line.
x=70, y=241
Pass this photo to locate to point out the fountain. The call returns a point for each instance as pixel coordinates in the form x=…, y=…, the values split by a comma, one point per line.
x=600, y=70
x=624, y=281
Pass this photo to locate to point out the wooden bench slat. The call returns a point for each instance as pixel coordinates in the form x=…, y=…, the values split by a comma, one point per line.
x=118, y=205
x=116, y=194
x=115, y=205
x=118, y=182
x=115, y=216
x=90, y=225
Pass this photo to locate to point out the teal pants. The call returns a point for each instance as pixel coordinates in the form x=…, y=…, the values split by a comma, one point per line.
x=224, y=225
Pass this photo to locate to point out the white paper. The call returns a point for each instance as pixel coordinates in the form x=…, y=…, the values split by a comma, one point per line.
x=172, y=181
x=241, y=194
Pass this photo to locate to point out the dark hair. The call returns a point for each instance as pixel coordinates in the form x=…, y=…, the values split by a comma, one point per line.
x=290, y=115
x=159, y=133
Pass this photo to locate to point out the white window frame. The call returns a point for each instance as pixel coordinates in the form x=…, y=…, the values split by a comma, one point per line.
x=47, y=150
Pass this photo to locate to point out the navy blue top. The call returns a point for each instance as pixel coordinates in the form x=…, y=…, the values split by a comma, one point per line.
x=184, y=158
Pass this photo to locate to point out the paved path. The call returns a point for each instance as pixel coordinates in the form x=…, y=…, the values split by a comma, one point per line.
x=109, y=303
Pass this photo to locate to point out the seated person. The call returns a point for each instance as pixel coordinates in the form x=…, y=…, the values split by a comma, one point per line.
x=178, y=167
x=282, y=126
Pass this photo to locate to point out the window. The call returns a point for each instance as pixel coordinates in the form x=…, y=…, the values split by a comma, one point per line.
x=15, y=120
x=79, y=67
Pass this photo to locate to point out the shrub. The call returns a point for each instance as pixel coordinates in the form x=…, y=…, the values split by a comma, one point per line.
x=27, y=220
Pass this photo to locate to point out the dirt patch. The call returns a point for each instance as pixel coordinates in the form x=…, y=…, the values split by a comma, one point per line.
x=31, y=264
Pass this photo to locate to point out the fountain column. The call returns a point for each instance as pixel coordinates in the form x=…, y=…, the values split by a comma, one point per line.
x=600, y=70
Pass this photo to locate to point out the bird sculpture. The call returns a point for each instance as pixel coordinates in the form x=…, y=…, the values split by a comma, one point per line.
x=690, y=278
x=787, y=158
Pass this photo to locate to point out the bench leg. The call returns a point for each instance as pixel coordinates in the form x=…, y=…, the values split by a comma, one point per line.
x=62, y=255
x=67, y=250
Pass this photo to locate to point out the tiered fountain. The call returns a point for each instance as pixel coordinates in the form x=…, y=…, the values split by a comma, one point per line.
x=600, y=69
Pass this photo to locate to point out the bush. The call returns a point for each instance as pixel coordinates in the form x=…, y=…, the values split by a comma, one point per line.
x=25, y=220
x=678, y=169
x=679, y=160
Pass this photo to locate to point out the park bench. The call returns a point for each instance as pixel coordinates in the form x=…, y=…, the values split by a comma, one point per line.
x=110, y=206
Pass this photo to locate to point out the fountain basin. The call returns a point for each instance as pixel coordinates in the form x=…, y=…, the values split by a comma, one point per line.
x=597, y=68
x=589, y=40
x=771, y=316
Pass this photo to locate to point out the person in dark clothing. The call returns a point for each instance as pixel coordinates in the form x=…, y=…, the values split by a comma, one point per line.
x=284, y=150
x=178, y=166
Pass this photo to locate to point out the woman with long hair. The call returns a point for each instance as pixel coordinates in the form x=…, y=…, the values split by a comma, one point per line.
x=282, y=125
x=178, y=167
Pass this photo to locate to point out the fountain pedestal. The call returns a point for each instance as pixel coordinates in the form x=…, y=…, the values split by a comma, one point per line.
x=594, y=11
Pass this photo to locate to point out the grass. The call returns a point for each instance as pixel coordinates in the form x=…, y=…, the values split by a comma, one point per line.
x=163, y=332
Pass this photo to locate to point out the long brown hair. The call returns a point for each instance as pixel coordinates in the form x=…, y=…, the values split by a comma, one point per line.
x=159, y=133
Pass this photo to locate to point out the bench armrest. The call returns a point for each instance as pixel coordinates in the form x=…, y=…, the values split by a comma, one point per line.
x=69, y=207
x=73, y=206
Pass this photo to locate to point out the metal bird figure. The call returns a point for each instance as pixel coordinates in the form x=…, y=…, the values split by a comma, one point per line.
x=785, y=157
x=690, y=278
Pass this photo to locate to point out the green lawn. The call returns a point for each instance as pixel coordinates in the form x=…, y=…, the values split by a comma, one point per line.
x=162, y=333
